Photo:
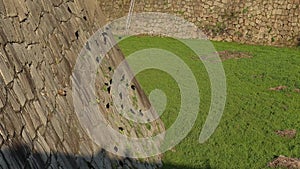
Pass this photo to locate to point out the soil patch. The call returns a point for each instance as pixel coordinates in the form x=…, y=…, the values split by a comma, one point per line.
x=278, y=88
x=287, y=133
x=282, y=161
x=225, y=55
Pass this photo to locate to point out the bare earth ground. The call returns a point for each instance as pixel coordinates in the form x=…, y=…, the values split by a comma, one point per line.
x=225, y=55
x=282, y=161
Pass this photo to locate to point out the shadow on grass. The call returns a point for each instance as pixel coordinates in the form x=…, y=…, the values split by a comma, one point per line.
x=14, y=156
x=171, y=166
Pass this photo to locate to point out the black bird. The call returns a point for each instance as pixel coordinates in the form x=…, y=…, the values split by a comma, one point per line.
x=108, y=90
x=121, y=128
x=132, y=87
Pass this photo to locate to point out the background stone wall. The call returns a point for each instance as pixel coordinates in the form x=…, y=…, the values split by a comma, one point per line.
x=266, y=22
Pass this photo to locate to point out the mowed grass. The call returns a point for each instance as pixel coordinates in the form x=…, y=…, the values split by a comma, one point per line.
x=245, y=137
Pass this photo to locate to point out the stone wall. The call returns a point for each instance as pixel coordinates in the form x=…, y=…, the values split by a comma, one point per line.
x=40, y=41
x=266, y=22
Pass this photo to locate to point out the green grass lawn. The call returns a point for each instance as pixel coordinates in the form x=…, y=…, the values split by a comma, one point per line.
x=245, y=137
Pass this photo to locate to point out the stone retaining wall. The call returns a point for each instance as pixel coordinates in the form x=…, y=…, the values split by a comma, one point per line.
x=40, y=41
x=266, y=22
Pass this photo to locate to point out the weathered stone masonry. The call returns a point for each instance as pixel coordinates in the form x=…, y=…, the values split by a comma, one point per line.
x=266, y=22
x=39, y=44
